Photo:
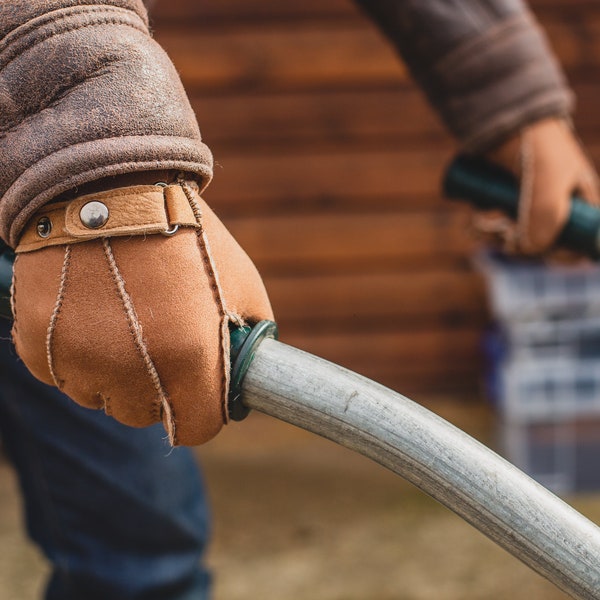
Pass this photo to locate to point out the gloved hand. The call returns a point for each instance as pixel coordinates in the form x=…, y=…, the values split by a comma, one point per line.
x=107, y=308
x=122, y=299
x=550, y=164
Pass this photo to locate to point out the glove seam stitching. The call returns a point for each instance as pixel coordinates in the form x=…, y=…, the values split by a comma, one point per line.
x=211, y=270
x=55, y=97
x=60, y=296
x=13, y=297
x=135, y=328
x=99, y=21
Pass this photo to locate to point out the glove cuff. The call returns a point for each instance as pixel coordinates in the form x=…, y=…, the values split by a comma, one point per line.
x=87, y=94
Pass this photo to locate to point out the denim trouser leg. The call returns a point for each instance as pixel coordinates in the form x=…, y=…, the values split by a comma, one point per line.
x=118, y=513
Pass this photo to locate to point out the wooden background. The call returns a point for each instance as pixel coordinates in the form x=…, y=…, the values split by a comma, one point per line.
x=328, y=169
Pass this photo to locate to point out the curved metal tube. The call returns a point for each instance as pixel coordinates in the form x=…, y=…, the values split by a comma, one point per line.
x=484, y=489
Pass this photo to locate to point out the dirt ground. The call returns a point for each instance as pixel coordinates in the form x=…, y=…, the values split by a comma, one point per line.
x=299, y=518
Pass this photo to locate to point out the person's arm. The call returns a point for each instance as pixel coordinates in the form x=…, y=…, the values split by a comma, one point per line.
x=125, y=283
x=85, y=93
x=485, y=66
x=488, y=70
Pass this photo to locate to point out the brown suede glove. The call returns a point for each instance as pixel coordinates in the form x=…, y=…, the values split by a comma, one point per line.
x=551, y=165
x=124, y=318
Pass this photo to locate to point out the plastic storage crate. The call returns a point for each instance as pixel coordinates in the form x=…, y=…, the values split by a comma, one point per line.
x=530, y=291
x=558, y=389
x=544, y=368
x=567, y=338
x=561, y=455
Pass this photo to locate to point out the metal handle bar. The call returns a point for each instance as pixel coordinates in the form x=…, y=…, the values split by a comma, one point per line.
x=484, y=489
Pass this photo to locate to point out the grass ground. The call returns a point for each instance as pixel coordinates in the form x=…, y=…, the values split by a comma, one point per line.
x=299, y=518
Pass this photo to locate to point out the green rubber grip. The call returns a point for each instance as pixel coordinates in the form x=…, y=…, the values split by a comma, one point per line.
x=243, y=344
x=7, y=258
x=489, y=187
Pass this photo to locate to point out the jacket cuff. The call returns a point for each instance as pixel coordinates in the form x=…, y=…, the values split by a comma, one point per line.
x=498, y=82
x=86, y=93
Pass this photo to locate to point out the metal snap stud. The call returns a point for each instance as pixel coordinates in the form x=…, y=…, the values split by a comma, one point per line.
x=94, y=214
x=44, y=227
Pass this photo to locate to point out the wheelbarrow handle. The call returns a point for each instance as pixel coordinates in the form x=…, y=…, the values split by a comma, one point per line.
x=484, y=489
x=489, y=187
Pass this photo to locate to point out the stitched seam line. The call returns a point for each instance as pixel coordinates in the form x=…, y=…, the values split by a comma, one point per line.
x=60, y=296
x=100, y=21
x=209, y=265
x=135, y=328
x=61, y=14
x=106, y=402
x=213, y=274
x=54, y=98
x=13, y=295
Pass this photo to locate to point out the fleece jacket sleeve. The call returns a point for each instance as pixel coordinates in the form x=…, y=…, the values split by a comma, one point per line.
x=85, y=93
x=485, y=66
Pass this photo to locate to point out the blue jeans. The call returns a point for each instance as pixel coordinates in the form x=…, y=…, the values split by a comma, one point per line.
x=119, y=514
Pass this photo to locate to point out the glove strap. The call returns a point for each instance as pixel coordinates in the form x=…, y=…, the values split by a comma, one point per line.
x=134, y=210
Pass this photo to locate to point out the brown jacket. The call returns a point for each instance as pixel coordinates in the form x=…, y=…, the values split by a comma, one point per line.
x=86, y=93
x=485, y=65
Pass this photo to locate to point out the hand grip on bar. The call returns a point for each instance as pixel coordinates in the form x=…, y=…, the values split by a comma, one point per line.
x=489, y=187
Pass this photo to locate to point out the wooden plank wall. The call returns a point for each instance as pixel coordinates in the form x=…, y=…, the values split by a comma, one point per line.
x=328, y=167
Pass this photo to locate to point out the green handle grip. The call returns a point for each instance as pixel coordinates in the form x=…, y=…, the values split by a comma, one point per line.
x=489, y=187
x=7, y=258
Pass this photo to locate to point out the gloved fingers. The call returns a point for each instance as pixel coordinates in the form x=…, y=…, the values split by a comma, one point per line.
x=182, y=325
x=33, y=315
x=129, y=326
x=89, y=342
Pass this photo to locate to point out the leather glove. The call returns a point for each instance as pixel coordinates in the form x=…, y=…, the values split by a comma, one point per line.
x=115, y=314
x=550, y=164
x=122, y=299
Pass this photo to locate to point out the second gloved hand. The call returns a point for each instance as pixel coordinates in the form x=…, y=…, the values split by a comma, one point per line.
x=550, y=164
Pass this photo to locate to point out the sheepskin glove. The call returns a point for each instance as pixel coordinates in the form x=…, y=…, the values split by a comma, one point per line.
x=122, y=299
x=85, y=94
x=551, y=165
